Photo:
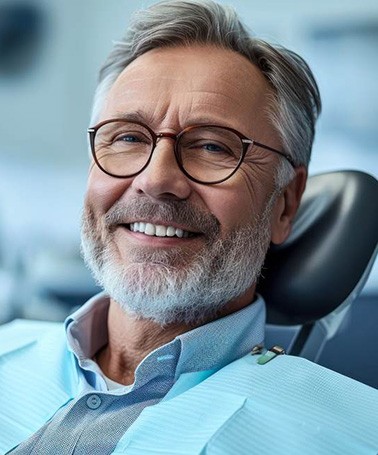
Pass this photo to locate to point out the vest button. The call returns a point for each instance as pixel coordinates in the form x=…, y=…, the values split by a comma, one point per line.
x=93, y=402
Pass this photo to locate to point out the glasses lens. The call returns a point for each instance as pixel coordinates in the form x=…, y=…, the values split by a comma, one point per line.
x=122, y=148
x=209, y=153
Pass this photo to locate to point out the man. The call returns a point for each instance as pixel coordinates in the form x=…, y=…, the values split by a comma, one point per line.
x=200, y=149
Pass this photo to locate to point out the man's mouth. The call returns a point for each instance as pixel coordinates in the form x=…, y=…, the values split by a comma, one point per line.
x=158, y=230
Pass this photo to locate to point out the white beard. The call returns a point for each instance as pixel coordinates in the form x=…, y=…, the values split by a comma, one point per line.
x=172, y=286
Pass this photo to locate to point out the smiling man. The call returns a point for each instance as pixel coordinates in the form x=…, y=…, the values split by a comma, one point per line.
x=169, y=230
x=177, y=218
x=201, y=140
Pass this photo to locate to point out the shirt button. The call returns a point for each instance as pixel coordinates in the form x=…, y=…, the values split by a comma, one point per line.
x=93, y=402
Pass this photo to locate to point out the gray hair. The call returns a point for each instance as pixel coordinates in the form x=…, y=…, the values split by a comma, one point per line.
x=295, y=102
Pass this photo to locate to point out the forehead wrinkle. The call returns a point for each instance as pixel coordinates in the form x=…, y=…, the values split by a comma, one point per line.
x=120, y=92
x=214, y=104
x=139, y=115
x=211, y=94
x=202, y=108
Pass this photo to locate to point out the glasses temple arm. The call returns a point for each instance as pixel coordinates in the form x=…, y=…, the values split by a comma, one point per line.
x=266, y=147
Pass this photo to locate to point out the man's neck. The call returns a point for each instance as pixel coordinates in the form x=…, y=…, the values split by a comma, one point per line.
x=130, y=340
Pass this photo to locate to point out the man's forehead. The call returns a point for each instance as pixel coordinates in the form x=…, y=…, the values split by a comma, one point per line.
x=182, y=56
x=215, y=78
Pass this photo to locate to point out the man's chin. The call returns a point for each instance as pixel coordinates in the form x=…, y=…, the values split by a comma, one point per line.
x=152, y=258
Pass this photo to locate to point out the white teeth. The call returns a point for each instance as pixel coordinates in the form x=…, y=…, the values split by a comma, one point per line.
x=179, y=232
x=171, y=231
x=150, y=229
x=161, y=231
x=158, y=230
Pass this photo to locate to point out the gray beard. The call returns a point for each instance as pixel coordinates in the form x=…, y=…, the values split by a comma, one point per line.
x=175, y=285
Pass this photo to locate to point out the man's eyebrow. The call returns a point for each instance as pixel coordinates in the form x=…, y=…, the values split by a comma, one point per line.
x=135, y=116
x=139, y=116
x=147, y=119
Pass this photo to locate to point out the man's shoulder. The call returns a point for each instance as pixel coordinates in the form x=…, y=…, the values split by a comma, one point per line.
x=20, y=333
x=289, y=405
x=37, y=377
x=292, y=374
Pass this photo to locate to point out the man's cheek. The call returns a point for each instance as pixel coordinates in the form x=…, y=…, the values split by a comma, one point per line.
x=102, y=196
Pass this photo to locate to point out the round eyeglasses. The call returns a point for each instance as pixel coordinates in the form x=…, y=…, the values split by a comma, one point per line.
x=206, y=154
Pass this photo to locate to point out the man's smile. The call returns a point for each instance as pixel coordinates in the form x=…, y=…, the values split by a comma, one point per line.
x=159, y=230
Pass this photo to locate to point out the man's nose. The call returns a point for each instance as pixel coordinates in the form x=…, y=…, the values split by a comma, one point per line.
x=163, y=178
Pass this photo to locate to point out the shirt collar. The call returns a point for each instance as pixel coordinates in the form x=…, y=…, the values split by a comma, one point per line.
x=210, y=346
x=87, y=328
x=223, y=340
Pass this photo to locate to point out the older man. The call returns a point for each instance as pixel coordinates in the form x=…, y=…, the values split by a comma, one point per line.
x=200, y=148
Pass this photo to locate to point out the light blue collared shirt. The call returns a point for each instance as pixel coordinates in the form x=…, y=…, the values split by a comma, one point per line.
x=97, y=418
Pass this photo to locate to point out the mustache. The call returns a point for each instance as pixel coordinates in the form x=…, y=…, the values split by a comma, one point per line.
x=169, y=211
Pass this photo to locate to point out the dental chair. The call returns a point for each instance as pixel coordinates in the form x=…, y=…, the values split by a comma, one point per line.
x=310, y=282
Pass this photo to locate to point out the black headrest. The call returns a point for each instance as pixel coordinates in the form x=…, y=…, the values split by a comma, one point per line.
x=334, y=238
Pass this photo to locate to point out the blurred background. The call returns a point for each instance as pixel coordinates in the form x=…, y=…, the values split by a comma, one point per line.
x=50, y=52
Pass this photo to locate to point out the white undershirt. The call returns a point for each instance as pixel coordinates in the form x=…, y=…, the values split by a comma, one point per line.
x=113, y=385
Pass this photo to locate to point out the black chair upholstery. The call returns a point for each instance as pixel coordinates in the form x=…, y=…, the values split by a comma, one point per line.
x=329, y=253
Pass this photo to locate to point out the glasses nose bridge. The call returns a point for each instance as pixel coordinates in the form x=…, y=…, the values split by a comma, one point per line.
x=162, y=135
x=167, y=135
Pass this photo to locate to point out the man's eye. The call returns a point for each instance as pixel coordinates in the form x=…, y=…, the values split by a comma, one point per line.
x=214, y=148
x=208, y=146
x=127, y=138
x=130, y=138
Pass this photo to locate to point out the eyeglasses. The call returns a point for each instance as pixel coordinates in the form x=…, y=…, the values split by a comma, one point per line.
x=206, y=154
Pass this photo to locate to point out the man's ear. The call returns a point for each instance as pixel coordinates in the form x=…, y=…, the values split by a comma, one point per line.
x=286, y=206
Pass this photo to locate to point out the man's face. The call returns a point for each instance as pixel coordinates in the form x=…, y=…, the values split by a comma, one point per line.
x=225, y=225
